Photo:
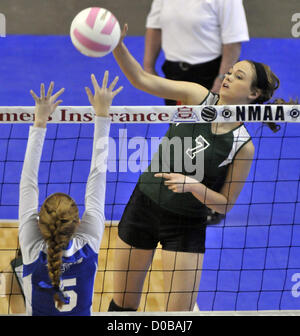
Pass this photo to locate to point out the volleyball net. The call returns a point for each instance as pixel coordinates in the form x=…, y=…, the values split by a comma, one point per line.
x=252, y=255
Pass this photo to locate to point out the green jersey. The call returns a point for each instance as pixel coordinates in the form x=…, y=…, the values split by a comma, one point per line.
x=193, y=150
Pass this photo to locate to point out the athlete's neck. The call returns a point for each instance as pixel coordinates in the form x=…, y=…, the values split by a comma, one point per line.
x=223, y=128
x=223, y=101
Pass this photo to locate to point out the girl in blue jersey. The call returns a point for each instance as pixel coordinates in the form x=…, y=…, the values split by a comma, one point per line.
x=60, y=251
x=169, y=207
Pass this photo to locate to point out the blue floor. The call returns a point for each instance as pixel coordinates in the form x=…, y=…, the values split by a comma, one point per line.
x=252, y=260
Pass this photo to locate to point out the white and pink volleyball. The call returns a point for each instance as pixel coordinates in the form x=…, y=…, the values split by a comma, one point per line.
x=95, y=32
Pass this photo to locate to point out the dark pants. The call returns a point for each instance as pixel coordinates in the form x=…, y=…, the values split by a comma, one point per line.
x=203, y=74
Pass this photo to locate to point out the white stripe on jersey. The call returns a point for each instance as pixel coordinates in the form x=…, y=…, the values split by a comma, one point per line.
x=241, y=136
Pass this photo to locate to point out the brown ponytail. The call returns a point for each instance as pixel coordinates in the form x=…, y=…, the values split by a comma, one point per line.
x=58, y=220
x=271, y=85
x=279, y=101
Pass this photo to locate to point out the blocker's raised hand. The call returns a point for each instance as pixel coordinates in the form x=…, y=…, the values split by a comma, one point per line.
x=103, y=96
x=45, y=105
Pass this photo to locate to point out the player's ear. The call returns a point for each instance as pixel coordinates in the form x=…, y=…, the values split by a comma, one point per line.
x=254, y=94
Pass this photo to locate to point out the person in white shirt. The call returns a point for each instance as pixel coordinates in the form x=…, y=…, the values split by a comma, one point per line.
x=201, y=39
x=60, y=251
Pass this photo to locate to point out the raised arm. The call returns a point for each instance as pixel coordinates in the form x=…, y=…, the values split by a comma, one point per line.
x=230, y=55
x=29, y=193
x=188, y=93
x=92, y=223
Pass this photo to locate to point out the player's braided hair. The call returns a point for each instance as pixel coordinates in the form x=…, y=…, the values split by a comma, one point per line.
x=58, y=220
x=271, y=85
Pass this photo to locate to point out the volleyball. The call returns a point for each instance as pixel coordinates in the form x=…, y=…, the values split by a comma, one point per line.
x=95, y=32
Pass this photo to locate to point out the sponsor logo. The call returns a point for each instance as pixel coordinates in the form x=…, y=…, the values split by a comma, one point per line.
x=185, y=114
x=226, y=113
x=260, y=113
x=294, y=113
x=247, y=113
x=209, y=113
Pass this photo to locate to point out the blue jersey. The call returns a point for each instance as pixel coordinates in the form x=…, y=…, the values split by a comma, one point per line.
x=80, y=258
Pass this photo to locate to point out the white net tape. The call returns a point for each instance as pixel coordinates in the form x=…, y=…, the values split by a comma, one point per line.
x=161, y=114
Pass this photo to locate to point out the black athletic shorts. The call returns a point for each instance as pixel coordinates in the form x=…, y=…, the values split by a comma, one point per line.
x=144, y=223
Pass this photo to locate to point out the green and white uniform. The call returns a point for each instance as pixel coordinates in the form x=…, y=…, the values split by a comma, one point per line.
x=217, y=150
